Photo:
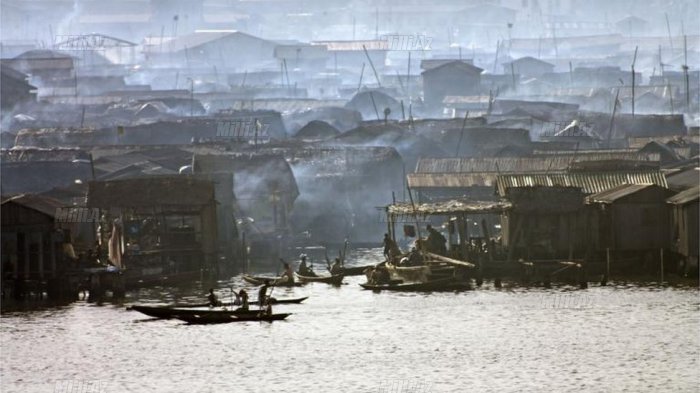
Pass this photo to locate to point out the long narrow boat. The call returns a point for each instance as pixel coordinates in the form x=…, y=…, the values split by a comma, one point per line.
x=336, y=279
x=229, y=304
x=206, y=319
x=444, y=284
x=165, y=312
x=355, y=270
x=276, y=281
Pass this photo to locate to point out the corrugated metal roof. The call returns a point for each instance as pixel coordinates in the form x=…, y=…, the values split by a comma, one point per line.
x=451, y=180
x=687, y=196
x=466, y=100
x=640, y=142
x=427, y=64
x=615, y=193
x=194, y=40
x=283, y=105
x=40, y=203
x=150, y=191
x=683, y=179
x=590, y=183
x=544, y=163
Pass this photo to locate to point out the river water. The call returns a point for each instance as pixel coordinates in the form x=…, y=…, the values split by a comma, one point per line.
x=619, y=338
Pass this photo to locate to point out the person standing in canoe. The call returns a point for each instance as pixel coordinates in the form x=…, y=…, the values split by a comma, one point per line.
x=436, y=242
x=262, y=293
x=243, y=295
x=213, y=300
x=337, y=268
x=390, y=248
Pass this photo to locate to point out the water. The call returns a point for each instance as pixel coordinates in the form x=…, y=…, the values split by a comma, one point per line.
x=604, y=339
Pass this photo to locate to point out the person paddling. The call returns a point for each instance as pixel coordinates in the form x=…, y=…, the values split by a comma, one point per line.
x=262, y=293
x=304, y=269
x=288, y=272
x=213, y=300
x=243, y=295
x=337, y=268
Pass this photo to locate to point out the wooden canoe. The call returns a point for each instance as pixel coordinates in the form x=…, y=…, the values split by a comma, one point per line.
x=355, y=270
x=333, y=280
x=444, y=284
x=229, y=304
x=165, y=312
x=274, y=281
x=206, y=319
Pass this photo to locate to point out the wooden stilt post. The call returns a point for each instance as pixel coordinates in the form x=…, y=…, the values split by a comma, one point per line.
x=662, y=266
x=607, y=267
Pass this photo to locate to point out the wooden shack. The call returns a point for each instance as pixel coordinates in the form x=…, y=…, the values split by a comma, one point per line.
x=685, y=229
x=544, y=223
x=31, y=243
x=455, y=78
x=157, y=226
x=631, y=218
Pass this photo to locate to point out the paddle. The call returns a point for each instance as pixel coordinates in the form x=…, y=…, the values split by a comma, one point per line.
x=285, y=262
x=266, y=303
x=344, y=253
x=328, y=261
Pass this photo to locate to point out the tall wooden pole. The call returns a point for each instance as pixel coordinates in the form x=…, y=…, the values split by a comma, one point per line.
x=362, y=73
x=372, y=65
x=408, y=75
x=685, y=73
x=668, y=28
x=662, y=266
x=633, y=77
x=612, y=117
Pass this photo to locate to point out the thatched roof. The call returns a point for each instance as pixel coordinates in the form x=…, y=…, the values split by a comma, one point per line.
x=448, y=207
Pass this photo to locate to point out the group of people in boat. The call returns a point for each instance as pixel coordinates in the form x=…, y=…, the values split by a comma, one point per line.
x=308, y=271
x=378, y=275
x=414, y=258
x=242, y=299
x=435, y=243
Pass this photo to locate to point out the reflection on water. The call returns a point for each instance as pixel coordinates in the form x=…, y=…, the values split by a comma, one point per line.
x=608, y=339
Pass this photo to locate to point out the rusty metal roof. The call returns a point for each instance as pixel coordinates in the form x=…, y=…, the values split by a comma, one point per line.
x=589, y=182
